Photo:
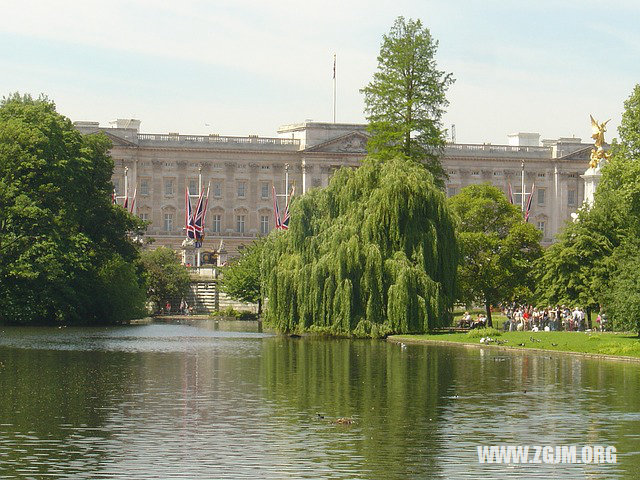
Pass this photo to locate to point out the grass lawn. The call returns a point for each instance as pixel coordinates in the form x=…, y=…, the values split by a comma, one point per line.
x=619, y=344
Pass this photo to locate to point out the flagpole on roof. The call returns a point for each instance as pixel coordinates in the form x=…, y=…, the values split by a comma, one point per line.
x=126, y=181
x=522, y=190
x=334, y=88
x=199, y=195
x=286, y=178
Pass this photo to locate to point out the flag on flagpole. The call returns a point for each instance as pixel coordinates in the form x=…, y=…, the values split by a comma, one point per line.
x=188, y=215
x=528, y=209
x=204, y=211
x=510, y=193
x=334, y=66
x=126, y=200
x=197, y=217
x=133, y=200
x=285, y=218
x=276, y=212
x=113, y=197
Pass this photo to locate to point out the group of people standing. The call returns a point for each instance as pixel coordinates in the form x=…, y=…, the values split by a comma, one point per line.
x=527, y=317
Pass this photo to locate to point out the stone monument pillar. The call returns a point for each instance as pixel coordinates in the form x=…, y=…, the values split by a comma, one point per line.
x=591, y=179
x=598, y=159
x=188, y=252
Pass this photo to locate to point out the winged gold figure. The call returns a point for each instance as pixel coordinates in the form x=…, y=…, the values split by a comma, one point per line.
x=597, y=152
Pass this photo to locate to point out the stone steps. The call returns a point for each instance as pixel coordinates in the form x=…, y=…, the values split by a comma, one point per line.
x=205, y=297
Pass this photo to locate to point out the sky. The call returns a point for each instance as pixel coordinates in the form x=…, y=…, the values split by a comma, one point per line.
x=241, y=67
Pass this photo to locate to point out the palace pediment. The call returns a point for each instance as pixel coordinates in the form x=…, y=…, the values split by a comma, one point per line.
x=119, y=141
x=582, y=154
x=353, y=142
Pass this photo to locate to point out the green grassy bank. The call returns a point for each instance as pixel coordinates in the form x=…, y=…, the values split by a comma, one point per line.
x=613, y=344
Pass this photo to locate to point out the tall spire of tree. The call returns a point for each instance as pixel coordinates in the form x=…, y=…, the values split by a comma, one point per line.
x=405, y=100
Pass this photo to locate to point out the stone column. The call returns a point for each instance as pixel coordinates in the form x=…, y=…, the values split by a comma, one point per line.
x=591, y=179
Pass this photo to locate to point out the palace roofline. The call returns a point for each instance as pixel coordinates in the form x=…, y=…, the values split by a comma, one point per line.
x=310, y=136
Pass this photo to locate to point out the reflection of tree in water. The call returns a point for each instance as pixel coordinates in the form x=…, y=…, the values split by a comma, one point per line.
x=394, y=396
x=51, y=400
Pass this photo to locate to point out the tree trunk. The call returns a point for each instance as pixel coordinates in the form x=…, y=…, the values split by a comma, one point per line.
x=487, y=307
x=259, y=306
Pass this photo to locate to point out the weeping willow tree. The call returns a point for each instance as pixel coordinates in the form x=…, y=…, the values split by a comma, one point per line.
x=374, y=253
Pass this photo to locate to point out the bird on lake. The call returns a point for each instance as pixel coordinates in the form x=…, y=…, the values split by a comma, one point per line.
x=344, y=421
x=554, y=344
x=521, y=344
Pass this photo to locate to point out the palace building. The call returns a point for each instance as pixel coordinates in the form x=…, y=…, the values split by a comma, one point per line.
x=242, y=170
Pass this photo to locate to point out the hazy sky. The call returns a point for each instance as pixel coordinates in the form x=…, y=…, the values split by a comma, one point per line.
x=242, y=67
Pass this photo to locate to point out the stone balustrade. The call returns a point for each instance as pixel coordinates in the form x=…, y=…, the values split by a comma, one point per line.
x=484, y=150
x=217, y=141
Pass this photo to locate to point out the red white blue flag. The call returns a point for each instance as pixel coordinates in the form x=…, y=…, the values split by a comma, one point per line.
x=203, y=216
x=188, y=215
x=276, y=211
x=285, y=219
x=133, y=200
x=197, y=224
x=528, y=209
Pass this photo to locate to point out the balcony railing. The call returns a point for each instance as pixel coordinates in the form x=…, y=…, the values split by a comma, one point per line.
x=502, y=150
x=211, y=140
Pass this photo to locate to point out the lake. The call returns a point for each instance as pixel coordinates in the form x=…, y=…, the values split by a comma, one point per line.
x=208, y=400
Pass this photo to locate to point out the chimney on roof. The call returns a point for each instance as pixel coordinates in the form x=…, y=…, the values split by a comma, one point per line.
x=524, y=139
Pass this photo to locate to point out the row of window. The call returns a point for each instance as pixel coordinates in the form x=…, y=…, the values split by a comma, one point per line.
x=517, y=195
x=216, y=187
x=216, y=224
x=540, y=175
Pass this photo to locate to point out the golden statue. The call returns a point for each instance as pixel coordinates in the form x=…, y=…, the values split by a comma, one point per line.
x=597, y=152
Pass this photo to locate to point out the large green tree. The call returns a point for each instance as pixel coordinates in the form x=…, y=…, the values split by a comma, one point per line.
x=167, y=279
x=405, y=100
x=372, y=253
x=592, y=262
x=498, y=248
x=61, y=238
x=242, y=279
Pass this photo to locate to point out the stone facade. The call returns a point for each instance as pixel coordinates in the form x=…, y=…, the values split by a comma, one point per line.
x=242, y=170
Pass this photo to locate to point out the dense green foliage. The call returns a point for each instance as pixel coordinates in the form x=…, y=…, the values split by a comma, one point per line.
x=166, y=278
x=241, y=278
x=594, y=262
x=406, y=99
x=372, y=253
x=62, y=242
x=498, y=248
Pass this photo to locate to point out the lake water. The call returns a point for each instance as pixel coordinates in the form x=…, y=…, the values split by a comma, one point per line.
x=223, y=400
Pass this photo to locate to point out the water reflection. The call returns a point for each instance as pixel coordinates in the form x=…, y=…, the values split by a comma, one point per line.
x=207, y=400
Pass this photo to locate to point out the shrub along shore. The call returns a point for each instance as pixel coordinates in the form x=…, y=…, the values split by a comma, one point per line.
x=607, y=345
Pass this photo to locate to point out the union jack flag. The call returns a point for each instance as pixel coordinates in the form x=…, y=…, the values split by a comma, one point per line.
x=196, y=222
x=285, y=219
x=528, y=210
x=201, y=216
x=188, y=215
x=133, y=200
x=276, y=211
